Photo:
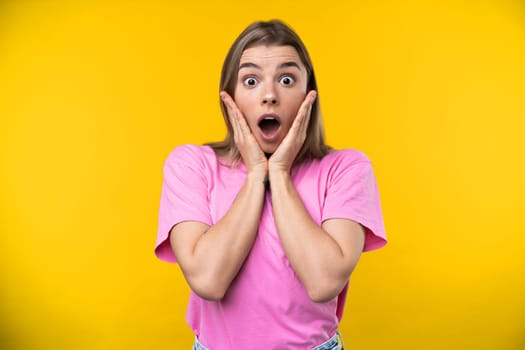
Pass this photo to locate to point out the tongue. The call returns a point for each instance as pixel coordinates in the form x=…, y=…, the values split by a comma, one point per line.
x=269, y=126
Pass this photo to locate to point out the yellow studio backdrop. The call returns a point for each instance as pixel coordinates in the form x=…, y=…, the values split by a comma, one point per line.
x=94, y=95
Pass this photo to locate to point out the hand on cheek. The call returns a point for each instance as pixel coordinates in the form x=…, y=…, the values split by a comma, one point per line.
x=283, y=158
x=251, y=152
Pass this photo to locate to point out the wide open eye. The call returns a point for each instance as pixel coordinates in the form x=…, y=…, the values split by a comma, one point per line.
x=251, y=81
x=286, y=80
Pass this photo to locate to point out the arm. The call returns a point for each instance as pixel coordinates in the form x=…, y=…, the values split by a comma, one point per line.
x=210, y=257
x=323, y=257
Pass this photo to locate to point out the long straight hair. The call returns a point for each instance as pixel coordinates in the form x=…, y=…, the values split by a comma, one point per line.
x=271, y=33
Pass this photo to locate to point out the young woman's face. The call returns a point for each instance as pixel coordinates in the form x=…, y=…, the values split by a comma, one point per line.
x=270, y=88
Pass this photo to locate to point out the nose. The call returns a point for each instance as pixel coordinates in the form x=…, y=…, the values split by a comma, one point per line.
x=270, y=96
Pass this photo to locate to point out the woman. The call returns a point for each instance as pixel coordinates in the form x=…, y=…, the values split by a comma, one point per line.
x=268, y=225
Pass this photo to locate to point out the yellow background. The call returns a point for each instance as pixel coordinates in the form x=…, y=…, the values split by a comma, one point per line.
x=94, y=95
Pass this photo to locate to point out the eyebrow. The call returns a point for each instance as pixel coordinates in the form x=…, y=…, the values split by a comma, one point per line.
x=289, y=64
x=282, y=65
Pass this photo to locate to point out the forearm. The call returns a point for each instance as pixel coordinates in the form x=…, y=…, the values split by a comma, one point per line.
x=219, y=253
x=315, y=256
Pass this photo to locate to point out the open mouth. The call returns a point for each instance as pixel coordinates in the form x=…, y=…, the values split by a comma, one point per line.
x=269, y=125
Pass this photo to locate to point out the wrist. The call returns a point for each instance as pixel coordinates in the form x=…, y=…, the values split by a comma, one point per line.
x=256, y=177
x=278, y=175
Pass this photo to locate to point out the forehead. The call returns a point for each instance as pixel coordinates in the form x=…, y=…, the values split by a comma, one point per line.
x=268, y=54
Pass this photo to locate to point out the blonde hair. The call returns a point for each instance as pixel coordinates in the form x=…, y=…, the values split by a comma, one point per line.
x=270, y=33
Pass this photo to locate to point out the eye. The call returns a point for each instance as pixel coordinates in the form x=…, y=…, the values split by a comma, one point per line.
x=286, y=80
x=251, y=81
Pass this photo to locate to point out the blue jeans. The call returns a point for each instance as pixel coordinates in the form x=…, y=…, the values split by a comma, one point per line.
x=334, y=343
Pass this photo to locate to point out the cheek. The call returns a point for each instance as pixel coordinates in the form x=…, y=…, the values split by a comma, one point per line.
x=244, y=101
x=295, y=101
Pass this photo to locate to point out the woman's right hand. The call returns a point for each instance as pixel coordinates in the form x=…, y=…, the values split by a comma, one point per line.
x=251, y=153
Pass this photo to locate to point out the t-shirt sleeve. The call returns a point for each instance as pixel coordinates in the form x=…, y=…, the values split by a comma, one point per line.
x=184, y=195
x=352, y=193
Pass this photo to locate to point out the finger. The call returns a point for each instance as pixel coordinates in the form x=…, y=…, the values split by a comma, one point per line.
x=309, y=101
x=307, y=104
x=228, y=100
x=303, y=115
x=234, y=123
x=230, y=103
x=233, y=114
x=303, y=128
x=243, y=125
x=239, y=117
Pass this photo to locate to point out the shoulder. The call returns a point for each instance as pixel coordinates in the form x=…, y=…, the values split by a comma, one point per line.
x=346, y=166
x=345, y=157
x=191, y=155
x=338, y=165
x=189, y=151
x=190, y=160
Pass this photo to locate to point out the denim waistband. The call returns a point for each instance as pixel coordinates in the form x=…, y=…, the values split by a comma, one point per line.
x=334, y=343
x=197, y=345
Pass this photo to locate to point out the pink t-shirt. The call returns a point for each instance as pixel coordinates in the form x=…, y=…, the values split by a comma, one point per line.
x=266, y=306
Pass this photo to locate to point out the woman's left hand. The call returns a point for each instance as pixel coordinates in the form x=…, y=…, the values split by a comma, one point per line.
x=283, y=158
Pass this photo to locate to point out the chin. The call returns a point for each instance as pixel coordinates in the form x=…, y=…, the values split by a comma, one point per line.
x=269, y=149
